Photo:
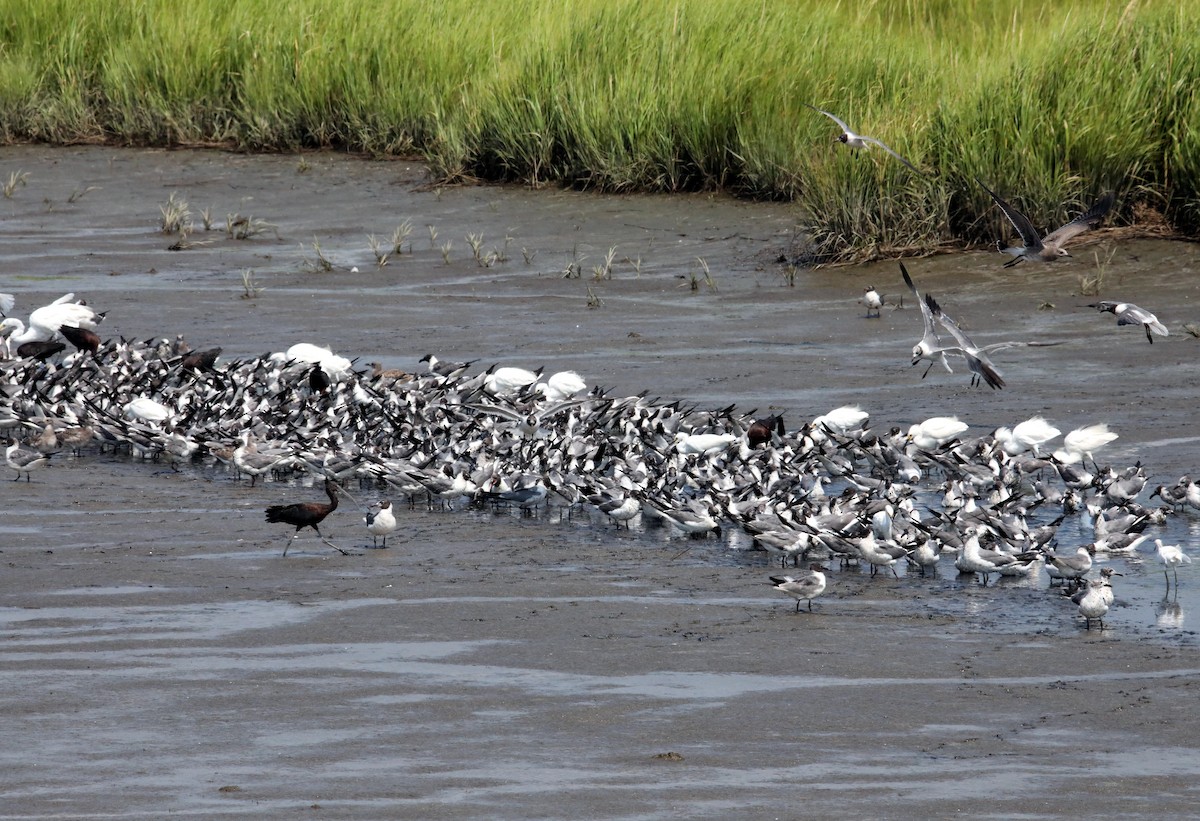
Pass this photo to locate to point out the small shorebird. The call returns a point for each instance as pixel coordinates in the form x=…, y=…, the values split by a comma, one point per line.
x=1129, y=314
x=860, y=141
x=1050, y=247
x=804, y=587
x=1095, y=599
x=380, y=522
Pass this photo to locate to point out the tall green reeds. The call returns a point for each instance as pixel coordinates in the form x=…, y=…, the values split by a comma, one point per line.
x=1048, y=103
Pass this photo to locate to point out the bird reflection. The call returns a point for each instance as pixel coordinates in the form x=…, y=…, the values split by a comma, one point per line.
x=1169, y=613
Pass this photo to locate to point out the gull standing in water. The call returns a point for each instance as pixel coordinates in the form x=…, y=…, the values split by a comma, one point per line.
x=805, y=587
x=1050, y=247
x=859, y=140
x=1129, y=314
x=1095, y=599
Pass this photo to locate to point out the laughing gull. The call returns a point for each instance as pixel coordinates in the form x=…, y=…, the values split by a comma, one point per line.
x=1129, y=314
x=1095, y=599
x=982, y=369
x=874, y=302
x=23, y=459
x=859, y=140
x=380, y=522
x=930, y=346
x=805, y=587
x=1049, y=247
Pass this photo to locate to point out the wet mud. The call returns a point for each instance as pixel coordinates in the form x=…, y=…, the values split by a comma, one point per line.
x=160, y=657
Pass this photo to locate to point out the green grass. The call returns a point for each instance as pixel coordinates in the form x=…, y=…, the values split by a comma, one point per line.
x=1049, y=103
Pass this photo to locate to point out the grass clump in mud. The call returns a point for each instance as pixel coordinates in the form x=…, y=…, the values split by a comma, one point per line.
x=1050, y=103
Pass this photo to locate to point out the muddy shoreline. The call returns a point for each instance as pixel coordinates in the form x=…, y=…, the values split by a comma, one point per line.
x=161, y=657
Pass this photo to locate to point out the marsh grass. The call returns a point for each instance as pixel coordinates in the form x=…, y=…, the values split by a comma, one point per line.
x=319, y=263
x=1050, y=103
x=16, y=179
x=176, y=215
x=250, y=287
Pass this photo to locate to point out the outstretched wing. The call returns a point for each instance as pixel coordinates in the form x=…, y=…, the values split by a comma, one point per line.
x=837, y=120
x=1084, y=222
x=1029, y=234
x=881, y=144
x=926, y=314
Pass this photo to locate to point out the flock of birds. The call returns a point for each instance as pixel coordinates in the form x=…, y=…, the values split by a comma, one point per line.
x=833, y=489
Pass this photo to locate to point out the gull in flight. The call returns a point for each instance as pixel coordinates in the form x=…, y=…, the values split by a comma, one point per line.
x=1129, y=314
x=1049, y=247
x=930, y=346
x=859, y=140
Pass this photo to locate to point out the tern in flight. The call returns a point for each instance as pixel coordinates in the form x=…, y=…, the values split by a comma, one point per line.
x=858, y=140
x=1049, y=247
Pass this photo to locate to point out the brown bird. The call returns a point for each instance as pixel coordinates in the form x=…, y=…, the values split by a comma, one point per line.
x=39, y=349
x=306, y=514
x=761, y=431
x=81, y=338
x=200, y=360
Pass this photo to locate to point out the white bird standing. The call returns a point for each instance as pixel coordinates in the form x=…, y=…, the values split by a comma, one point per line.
x=45, y=321
x=935, y=431
x=1080, y=443
x=507, y=381
x=1171, y=555
x=335, y=367
x=380, y=522
x=874, y=302
x=1028, y=435
x=147, y=410
x=562, y=385
x=860, y=141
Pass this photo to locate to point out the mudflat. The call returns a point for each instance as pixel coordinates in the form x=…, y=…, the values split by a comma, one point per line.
x=161, y=658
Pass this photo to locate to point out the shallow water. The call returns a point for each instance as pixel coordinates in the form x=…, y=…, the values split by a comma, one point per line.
x=158, y=649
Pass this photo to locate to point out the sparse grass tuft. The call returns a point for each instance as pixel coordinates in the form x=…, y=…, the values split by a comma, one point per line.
x=16, y=179
x=400, y=235
x=1090, y=284
x=239, y=227
x=250, y=288
x=176, y=215
x=321, y=263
